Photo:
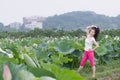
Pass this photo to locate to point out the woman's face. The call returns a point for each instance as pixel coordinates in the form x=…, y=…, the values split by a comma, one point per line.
x=92, y=32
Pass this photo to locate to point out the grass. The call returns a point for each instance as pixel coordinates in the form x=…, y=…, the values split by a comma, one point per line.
x=103, y=70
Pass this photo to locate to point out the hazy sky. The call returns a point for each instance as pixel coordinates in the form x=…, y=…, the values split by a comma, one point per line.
x=15, y=10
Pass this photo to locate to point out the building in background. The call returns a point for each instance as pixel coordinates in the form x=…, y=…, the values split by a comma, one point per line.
x=15, y=25
x=33, y=22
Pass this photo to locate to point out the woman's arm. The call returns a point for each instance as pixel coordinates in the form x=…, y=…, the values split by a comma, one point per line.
x=88, y=29
x=96, y=45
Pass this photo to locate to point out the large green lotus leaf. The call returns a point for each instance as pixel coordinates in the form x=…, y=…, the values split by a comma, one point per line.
x=79, y=46
x=5, y=58
x=38, y=72
x=25, y=75
x=1, y=71
x=118, y=46
x=46, y=78
x=106, y=59
x=43, y=45
x=60, y=59
x=101, y=51
x=40, y=53
x=82, y=42
x=109, y=48
x=77, y=53
x=70, y=74
x=118, y=51
x=14, y=69
x=63, y=74
x=113, y=54
x=64, y=47
x=102, y=41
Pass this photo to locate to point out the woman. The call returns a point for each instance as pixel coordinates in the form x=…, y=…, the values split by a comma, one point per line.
x=91, y=36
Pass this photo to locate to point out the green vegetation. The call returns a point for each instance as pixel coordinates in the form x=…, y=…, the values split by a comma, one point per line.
x=54, y=33
x=41, y=33
x=55, y=57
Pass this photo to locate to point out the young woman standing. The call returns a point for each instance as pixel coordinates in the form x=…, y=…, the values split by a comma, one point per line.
x=91, y=36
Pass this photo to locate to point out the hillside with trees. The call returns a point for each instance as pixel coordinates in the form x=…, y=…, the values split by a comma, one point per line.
x=79, y=20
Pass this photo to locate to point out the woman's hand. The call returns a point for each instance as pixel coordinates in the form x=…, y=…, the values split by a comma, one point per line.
x=88, y=29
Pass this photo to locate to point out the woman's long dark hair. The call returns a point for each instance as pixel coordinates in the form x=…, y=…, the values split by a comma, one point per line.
x=97, y=31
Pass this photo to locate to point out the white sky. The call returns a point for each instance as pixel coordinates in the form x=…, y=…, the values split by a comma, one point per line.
x=15, y=10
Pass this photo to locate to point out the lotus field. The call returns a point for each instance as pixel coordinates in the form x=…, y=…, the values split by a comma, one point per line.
x=48, y=58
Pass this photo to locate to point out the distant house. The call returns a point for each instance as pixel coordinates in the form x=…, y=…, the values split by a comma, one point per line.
x=15, y=25
x=33, y=22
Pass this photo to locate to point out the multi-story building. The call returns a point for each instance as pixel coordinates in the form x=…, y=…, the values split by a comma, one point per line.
x=33, y=22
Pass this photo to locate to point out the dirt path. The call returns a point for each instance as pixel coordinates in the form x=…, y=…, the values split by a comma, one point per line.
x=115, y=76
